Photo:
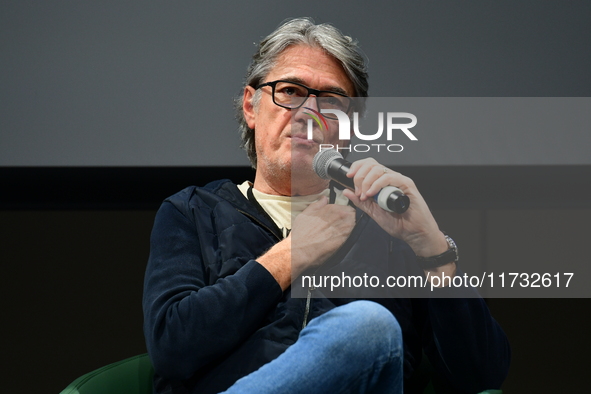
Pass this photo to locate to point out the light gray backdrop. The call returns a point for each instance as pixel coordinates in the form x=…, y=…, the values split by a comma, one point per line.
x=111, y=83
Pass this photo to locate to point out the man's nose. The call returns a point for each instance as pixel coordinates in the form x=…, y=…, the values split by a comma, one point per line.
x=302, y=112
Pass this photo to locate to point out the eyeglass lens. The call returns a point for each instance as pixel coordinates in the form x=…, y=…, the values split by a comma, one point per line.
x=292, y=96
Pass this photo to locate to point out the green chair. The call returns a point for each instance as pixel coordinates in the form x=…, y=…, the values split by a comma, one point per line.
x=133, y=376
x=430, y=390
x=130, y=376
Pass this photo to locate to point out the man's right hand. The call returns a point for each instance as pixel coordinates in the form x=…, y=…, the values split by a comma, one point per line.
x=316, y=234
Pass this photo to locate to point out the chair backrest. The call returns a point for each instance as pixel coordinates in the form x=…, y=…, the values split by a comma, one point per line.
x=130, y=376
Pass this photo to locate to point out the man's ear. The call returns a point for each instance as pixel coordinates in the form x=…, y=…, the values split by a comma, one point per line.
x=248, y=106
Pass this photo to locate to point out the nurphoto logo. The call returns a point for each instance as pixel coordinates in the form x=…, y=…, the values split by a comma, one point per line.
x=344, y=123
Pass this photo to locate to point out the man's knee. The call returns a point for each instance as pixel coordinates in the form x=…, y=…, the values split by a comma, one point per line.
x=366, y=326
x=371, y=318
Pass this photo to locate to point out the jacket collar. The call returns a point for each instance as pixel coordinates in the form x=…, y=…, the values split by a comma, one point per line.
x=228, y=191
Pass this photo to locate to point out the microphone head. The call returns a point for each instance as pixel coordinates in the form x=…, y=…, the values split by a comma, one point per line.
x=322, y=161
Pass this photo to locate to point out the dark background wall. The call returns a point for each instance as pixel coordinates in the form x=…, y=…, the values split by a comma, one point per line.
x=108, y=107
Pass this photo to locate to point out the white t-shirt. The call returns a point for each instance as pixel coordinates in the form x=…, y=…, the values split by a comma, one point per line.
x=284, y=209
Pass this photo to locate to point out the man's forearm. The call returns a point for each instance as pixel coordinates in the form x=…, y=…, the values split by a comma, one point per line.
x=277, y=261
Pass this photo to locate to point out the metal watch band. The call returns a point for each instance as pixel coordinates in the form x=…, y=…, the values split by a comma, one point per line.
x=449, y=256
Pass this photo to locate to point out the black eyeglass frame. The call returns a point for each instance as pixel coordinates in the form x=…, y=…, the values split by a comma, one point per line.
x=311, y=91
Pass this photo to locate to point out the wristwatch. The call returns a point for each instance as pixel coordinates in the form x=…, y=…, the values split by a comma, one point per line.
x=449, y=256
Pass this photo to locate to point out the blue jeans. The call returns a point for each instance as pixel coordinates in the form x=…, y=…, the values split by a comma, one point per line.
x=354, y=348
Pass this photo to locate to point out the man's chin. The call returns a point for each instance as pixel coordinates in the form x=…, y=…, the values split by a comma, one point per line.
x=302, y=156
x=302, y=169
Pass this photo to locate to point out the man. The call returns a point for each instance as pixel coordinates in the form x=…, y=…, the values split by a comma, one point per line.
x=217, y=305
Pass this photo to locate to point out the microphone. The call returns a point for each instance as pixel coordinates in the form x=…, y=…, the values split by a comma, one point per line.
x=330, y=164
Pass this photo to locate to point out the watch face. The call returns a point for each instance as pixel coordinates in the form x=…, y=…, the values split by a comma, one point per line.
x=449, y=256
x=453, y=246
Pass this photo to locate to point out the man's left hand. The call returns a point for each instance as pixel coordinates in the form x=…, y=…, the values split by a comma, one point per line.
x=416, y=226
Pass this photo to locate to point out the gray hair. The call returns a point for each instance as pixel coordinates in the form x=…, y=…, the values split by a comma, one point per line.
x=293, y=32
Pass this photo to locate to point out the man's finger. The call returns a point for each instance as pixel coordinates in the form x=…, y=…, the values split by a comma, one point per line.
x=316, y=205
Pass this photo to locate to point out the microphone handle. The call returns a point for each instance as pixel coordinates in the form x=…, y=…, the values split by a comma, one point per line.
x=337, y=171
x=394, y=201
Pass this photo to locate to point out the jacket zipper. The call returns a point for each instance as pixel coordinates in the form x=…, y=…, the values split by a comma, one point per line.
x=312, y=288
x=260, y=224
x=307, y=311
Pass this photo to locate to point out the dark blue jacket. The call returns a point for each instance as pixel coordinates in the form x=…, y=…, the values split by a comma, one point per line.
x=213, y=314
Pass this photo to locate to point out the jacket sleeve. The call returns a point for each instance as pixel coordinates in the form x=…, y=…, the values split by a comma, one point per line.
x=187, y=321
x=464, y=342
